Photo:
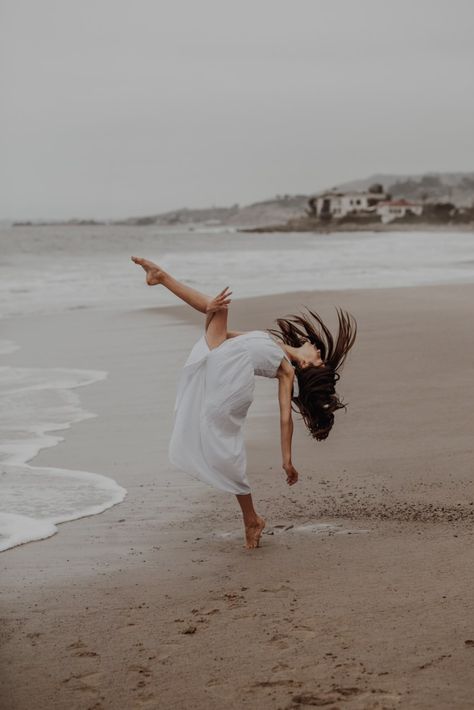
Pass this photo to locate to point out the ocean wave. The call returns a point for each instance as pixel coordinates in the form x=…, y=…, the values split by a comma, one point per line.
x=34, y=500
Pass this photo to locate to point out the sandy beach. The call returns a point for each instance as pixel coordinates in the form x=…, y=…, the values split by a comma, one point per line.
x=360, y=596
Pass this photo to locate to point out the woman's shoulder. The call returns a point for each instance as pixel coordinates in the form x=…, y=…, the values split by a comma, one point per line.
x=267, y=337
x=254, y=334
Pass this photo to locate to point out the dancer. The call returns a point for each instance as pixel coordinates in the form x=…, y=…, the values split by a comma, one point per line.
x=217, y=383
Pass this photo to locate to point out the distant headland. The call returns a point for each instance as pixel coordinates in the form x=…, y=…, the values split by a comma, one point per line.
x=379, y=202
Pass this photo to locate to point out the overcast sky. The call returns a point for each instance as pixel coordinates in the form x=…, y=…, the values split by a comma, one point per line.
x=113, y=108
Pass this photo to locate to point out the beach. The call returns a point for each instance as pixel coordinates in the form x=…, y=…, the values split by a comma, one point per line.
x=360, y=596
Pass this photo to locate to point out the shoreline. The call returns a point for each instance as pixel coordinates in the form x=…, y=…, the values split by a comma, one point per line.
x=302, y=226
x=155, y=603
x=334, y=228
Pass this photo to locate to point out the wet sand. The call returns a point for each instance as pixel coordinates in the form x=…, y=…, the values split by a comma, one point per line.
x=360, y=596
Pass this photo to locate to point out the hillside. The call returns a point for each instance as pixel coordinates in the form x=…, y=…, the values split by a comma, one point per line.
x=275, y=211
x=443, y=187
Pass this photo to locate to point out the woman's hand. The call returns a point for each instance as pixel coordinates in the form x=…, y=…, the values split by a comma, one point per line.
x=291, y=473
x=220, y=301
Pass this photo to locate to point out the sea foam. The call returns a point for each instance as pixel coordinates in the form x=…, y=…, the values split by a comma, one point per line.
x=35, y=403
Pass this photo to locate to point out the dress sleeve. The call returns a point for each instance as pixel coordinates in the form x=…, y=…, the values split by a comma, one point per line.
x=278, y=355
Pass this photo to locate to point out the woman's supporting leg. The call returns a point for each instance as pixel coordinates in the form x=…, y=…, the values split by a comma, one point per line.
x=254, y=524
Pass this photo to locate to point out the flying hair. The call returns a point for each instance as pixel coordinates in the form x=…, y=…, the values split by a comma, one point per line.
x=317, y=399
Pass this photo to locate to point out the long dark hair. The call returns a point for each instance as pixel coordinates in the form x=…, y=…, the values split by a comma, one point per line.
x=317, y=399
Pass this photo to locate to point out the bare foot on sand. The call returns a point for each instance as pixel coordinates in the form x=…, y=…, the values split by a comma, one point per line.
x=253, y=533
x=154, y=274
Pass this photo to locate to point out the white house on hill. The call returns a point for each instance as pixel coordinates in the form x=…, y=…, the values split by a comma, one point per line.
x=340, y=204
x=389, y=210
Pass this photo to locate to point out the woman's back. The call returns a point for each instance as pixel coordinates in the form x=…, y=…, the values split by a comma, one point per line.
x=265, y=354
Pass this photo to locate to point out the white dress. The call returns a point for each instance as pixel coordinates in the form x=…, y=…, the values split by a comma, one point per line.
x=214, y=392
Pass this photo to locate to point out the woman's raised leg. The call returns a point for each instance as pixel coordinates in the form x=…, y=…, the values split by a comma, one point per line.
x=156, y=275
x=254, y=524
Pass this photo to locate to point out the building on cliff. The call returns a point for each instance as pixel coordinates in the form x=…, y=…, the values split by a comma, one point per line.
x=389, y=210
x=337, y=204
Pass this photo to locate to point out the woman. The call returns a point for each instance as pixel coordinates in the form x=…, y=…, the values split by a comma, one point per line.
x=217, y=383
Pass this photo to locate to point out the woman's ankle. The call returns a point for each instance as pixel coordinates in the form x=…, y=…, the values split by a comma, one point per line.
x=252, y=521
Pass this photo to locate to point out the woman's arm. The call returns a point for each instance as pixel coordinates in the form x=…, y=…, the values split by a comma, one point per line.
x=285, y=387
x=216, y=313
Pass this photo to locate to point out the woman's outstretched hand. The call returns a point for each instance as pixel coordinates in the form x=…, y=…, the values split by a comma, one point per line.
x=220, y=301
x=291, y=474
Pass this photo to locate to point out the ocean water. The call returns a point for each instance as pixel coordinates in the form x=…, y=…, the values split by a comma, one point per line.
x=48, y=269
x=36, y=404
x=52, y=269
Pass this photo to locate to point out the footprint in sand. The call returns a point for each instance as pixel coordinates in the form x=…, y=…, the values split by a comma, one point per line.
x=280, y=666
x=141, y=670
x=33, y=636
x=276, y=590
x=85, y=654
x=369, y=699
x=205, y=612
x=283, y=682
x=77, y=644
x=86, y=683
x=302, y=631
x=80, y=650
x=280, y=641
x=140, y=677
x=234, y=599
x=91, y=680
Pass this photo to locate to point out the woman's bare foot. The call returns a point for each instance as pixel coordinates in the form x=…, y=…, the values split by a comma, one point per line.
x=154, y=274
x=253, y=533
